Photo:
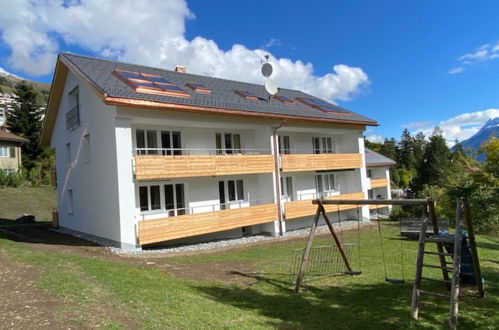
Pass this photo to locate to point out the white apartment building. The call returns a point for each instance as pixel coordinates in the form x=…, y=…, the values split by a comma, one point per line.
x=149, y=156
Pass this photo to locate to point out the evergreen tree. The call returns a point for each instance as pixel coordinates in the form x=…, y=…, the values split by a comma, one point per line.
x=436, y=160
x=25, y=120
x=389, y=149
x=405, y=155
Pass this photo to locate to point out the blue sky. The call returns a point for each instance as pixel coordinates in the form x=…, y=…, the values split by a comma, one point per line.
x=406, y=64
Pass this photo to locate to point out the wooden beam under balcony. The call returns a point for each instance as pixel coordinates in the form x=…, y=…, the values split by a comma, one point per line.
x=316, y=162
x=164, y=167
x=379, y=183
x=165, y=229
x=303, y=208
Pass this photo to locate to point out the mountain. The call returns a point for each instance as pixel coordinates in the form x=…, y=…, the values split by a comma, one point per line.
x=471, y=145
x=8, y=81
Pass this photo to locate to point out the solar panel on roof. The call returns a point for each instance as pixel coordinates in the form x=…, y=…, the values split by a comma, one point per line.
x=284, y=99
x=247, y=95
x=322, y=105
x=199, y=88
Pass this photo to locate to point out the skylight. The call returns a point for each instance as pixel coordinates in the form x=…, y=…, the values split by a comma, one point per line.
x=284, y=99
x=149, y=83
x=198, y=88
x=247, y=95
x=322, y=105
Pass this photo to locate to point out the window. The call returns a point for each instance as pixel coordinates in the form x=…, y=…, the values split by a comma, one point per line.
x=228, y=143
x=68, y=155
x=70, y=201
x=73, y=114
x=323, y=105
x=168, y=197
x=230, y=191
x=7, y=152
x=8, y=171
x=150, y=198
x=2, y=117
x=370, y=194
x=149, y=84
x=247, y=95
x=369, y=173
x=147, y=142
x=86, y=148
x=287, y=187
x=198, y=88
x=174, y=199
x=322, y=145
x=284, y=99
x=324, y=184
x=284, y=145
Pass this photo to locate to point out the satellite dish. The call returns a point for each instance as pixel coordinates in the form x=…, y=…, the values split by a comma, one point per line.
x=267, y=70
x=271, y=87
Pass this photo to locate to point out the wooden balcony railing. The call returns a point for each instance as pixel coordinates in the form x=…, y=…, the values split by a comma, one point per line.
x=160, y=230
x=315, y=162
x=303, y=208
x=379, y=183
x=159, y=167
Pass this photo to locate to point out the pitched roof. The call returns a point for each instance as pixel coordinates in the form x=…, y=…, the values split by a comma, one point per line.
x=375, y=159
x=8, y=136
x=223, y=99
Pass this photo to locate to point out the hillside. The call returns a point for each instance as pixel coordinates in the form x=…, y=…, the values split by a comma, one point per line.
x=489, y=129
x=7, y=83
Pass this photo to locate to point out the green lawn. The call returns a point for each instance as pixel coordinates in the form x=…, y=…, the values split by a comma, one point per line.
x=147, y=297
x=15, y=202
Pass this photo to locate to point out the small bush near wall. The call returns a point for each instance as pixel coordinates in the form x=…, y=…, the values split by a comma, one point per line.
x=13, y=179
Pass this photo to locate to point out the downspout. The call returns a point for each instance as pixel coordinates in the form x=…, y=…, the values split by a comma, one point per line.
x=277, y=176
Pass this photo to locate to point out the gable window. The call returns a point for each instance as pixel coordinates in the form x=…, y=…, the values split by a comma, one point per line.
x=228, y=143
x=73, y=114
x=86, y=148
x=322, y=145
x=68, y=155
x=284, y=145
x=324, y=184
x=70, y=201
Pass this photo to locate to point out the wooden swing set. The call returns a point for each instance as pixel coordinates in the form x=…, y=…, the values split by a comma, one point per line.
x=447, y=246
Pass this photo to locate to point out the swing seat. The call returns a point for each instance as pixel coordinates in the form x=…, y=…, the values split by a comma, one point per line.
x=394, y=280
x=353, y=273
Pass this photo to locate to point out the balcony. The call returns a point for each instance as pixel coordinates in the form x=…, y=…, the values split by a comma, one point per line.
x=379, y=183
x=183, y=163
x=304, y=207
x=181, y=226
x=295, y=162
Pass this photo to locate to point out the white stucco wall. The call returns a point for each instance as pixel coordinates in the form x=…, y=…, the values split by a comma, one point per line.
x=94, y=183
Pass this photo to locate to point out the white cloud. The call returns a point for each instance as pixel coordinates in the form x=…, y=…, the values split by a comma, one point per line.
x=459, y=127
x=456, y=70
x=485, y=52
x=376, y=138
x=150, y=32
x=273, y=42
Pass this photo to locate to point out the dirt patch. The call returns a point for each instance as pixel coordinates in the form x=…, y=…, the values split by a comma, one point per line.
x=226, y=272
x=22, y=304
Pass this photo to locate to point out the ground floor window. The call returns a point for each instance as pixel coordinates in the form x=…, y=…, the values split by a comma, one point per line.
x=287, y=187
x=167, y=197
x=230, y=191
x=324, y=184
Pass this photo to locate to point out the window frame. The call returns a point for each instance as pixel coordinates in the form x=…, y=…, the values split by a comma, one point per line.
x=162, y=199
x=323, y=184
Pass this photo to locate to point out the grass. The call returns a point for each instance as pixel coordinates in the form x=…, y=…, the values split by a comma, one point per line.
x=15, y=202
x=147, y=297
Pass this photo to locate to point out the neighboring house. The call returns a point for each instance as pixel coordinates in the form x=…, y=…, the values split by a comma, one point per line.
x=378, y=174
x=10, y=151
x=147, y=156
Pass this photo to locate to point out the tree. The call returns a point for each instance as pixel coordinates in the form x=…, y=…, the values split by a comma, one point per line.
x=389, y=149
x=405, y=155
x=25, y=120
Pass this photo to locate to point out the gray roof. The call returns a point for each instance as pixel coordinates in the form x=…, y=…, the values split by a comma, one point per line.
x=375, y=159
x=99, y=73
